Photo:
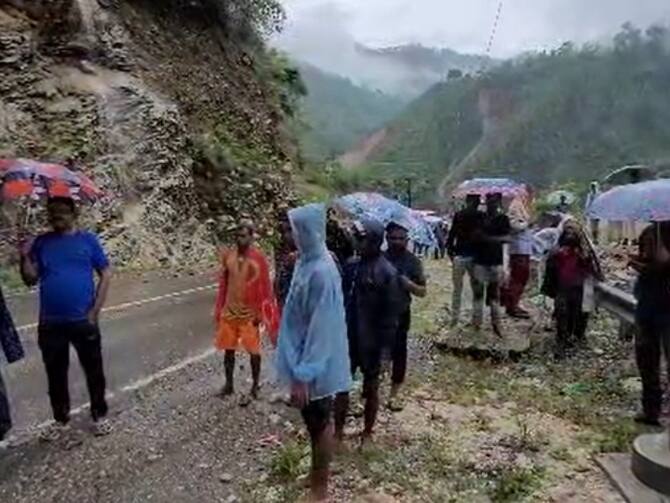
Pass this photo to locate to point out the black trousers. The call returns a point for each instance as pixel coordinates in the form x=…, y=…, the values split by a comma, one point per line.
x=399, y=350
x=5, y=417
x=571, y=321
x=652, y=340
x=54, y=342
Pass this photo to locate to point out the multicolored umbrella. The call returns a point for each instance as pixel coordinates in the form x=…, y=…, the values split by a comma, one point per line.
x=27, y=178
x=385, y=210
x=484, y=186
x=645, y=202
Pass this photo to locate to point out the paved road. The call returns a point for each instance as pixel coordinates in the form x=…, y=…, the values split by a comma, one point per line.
x=172, y=440
x=151, y=322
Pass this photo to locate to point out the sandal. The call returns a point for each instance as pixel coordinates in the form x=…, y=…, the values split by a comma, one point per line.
x=396, y=404
x=102, y=428
x=54, y=432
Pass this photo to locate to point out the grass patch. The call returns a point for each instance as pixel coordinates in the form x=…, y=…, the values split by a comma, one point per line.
x=516, y=484
x=10, y=279
x=618, y=436
x=575, y=391
x=289, y=461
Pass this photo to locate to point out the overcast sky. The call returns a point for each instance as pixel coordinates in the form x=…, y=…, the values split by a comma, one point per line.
x=465, y=25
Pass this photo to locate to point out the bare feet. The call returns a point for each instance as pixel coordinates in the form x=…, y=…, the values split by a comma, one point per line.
x=367, y=441
x=254, y=391
x=339, y=446
x=227, y=390
x=496, y=330
x=245, y=400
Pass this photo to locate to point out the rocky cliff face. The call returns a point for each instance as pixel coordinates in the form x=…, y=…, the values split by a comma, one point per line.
x=174, y=118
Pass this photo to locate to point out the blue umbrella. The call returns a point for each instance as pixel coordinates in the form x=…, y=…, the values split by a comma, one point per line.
x=483, y=186
x=645, y=202
x=385, y=210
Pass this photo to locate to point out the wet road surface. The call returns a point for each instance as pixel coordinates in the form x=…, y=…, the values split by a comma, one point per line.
x=150, y=323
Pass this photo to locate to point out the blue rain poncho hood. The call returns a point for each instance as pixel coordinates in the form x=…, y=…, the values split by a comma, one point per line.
x=313, y=345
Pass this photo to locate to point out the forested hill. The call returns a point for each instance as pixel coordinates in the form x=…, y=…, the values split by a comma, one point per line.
x=338, y=113
x=567, y=115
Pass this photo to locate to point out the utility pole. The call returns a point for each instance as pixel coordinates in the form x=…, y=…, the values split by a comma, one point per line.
x=409, y=192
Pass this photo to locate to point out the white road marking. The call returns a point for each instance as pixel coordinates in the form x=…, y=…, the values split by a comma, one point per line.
x=134, y=386
x=138, y=303
x=146, y=381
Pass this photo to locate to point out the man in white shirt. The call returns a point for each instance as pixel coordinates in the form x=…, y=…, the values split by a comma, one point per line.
x=520, y=251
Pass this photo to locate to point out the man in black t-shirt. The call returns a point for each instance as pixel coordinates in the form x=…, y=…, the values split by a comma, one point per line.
x=488, y=261
x=461, y=248
x=413, y=282
x=652, y=316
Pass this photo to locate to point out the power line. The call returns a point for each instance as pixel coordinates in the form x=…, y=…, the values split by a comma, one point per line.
x=489, y=46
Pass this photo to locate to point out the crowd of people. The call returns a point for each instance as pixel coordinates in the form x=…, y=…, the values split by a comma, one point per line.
x=339, y=304
x=345, y=307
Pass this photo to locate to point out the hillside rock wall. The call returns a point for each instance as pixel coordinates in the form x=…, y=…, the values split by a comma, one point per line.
x=169, y=115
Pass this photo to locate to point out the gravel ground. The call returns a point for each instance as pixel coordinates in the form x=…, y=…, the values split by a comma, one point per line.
x=471, y=431
x=173, y=441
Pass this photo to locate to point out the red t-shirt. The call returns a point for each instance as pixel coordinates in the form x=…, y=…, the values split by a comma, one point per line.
x=572, y=270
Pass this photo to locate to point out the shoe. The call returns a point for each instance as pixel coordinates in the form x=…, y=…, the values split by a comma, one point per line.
x=396, y=404
x=54, y=432
x=102, y=427
x=646, y=419
x=519, y=314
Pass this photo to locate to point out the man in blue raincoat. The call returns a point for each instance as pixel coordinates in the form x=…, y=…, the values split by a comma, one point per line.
x=313, y=353
x=11, y=346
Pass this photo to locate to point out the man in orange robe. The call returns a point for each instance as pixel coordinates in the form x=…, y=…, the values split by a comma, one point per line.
x=245, y=303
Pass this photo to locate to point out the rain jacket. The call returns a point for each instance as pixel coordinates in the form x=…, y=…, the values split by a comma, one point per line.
x=377, y=295
x=312, y=344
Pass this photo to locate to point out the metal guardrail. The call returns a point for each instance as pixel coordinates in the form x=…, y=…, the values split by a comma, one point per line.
x=621, y=304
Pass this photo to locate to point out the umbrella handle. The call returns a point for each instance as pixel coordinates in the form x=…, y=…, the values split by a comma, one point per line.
x=23, y=226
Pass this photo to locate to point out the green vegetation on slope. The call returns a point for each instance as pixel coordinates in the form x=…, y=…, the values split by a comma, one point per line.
x=570, y=114
x=337, y=114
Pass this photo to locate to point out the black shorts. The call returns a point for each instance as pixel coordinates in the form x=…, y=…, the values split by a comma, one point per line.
x=317, y=416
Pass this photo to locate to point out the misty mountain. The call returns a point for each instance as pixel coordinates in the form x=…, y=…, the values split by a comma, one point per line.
x=420, y=67
x=337, y=113
x=569, y=115
x=323, y=39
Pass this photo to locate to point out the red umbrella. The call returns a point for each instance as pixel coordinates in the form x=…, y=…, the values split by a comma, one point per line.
x=27, y=178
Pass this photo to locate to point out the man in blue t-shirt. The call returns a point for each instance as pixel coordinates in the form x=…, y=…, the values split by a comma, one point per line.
x=64, y=262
